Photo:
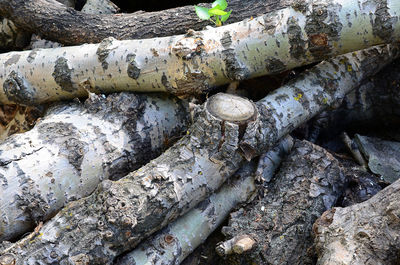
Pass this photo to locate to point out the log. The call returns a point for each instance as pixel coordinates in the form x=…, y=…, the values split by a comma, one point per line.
x=71, y=27
x=228, y=130
x=198, y=61
x=76, y=146
x=308, y=183
x=365, y=233
x=375, y=103
x=192, y=229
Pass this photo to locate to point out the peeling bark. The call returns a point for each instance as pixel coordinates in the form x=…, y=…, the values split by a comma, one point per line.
x=309, y=182
x=191, y=230
x=365, y=233
x=74, y=147
x=228, y=130
x=176, y=241
x=198, y=61
x=72, y=27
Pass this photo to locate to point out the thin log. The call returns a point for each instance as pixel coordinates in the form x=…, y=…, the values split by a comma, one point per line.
x=118, y=215
x=174, y=243
x=198, y=61
x=71, y=27
x=76, y=146
x=365, y=233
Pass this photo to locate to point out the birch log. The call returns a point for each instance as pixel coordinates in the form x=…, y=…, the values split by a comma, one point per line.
x=176, y=241
x=71, y=27
x=363, y=234
x=198, y=61
x=118, y=215
x=76, y=146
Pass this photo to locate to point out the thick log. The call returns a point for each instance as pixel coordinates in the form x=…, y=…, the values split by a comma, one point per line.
x=191, y=230
x=71, y=27
x=198, y=61
x=365, y=233
x=308, y=183
x=76, y=146
x=118, y=215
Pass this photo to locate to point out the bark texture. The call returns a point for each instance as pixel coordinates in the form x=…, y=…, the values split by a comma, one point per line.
x=76, y=146
x=198, y=61
x=375, y=103
x=176, y=241
x=228, y=130
x=308, y=183
x=365, y=233
x=71, y=27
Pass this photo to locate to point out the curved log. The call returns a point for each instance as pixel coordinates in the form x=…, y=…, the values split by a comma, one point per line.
x=68, y=26
x=118, y=215
x=74, y=147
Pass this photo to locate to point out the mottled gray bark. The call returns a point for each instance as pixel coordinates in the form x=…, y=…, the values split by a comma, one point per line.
x=363, y=234
x=308, y=183
x=175, y=242
x=198, y=61
x=74, y=147
x=228, y=130
x=72, y=27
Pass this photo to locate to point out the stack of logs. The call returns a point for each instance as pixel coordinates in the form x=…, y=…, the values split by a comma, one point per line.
x=107, y=176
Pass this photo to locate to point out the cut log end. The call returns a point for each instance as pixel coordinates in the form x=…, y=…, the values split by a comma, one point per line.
x=231, y=108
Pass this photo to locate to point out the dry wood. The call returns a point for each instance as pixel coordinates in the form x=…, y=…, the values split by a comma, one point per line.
x=363, y=234
x=118, y=215
x=68, y=26
x=191, y=230
x=198, y=61
x=308, y=183
x=76, y=146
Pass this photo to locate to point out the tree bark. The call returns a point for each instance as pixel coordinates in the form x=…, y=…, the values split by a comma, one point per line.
x=17, y=118
x=58, y=23
x=198, y=61
x=191, y=230
x=228, y=130
x=366, y=233
x=309, y=182
x=74, y=147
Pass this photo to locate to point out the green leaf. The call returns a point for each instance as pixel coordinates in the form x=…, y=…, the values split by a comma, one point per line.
x=202, y=12
x=217, y=12
x=225, y=17
x=222, y=3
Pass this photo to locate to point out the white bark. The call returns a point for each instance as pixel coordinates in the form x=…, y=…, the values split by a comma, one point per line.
x=118, y=215
x=74, y=147
x=195, y=62
x=176, y=241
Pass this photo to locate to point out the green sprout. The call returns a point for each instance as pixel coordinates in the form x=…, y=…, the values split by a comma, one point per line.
x=216, y=11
